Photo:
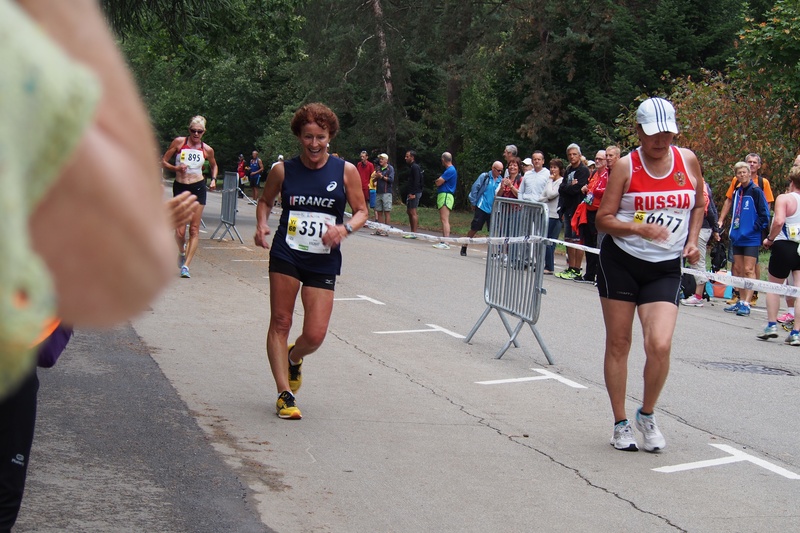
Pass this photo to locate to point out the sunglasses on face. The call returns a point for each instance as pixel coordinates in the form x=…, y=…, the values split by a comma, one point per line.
x=198, y=132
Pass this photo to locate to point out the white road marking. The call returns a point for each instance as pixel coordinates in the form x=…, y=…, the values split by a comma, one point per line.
x=736, y=456
x=433, y=327
x=546, y=374
x=360, y=297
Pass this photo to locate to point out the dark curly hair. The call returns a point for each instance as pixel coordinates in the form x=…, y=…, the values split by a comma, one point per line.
x=317, y=113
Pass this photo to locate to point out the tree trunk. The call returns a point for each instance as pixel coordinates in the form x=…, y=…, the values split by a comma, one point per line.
x=391, y=124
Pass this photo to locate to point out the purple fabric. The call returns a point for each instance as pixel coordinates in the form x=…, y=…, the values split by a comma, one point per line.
x=51, y=348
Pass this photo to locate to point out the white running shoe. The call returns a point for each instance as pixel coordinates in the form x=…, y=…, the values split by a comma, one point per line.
x=693, y=301
x=623, y=438
x=653, y=439
x=442, y=246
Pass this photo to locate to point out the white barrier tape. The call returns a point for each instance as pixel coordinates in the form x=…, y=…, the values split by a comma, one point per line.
x=747, y=283
x=726, y=279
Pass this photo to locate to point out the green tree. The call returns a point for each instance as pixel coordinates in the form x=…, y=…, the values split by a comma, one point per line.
x=240, y=80
x=769, y=50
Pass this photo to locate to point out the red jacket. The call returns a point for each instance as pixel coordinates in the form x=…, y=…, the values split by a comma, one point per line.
x=597, y=186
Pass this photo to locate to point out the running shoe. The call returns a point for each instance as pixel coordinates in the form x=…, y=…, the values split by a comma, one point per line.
x=786, y=317
x=185, y=272
x=463, y=251
x=793, y=339
x=692, y=301
x=744, y=310
x=442, y=246
x=754, y=299
x=623, y=438
x=286, y=408
x=409, y=236
x=733, y=308
x=295, y=373
x=568, y=274
x=770, y=332
x=653, y=439
x=582, y=279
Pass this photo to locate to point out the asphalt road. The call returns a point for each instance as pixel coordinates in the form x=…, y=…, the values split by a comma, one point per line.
x=400, y=431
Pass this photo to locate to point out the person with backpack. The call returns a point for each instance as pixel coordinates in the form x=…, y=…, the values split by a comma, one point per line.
x=753, y=161
x=481, y=197
x=708, y=230
x=750, y=218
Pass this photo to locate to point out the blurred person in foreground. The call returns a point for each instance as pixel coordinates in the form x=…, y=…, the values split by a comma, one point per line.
x=651, y=211
x=74, y=246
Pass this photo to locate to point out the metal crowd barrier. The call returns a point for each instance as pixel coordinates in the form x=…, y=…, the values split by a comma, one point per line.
x=227, y=217
x=514, y=270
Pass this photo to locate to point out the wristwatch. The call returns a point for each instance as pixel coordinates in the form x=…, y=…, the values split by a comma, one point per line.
x=348, y=228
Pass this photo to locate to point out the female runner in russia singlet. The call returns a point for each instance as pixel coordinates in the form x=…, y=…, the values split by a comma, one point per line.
x=666, y=200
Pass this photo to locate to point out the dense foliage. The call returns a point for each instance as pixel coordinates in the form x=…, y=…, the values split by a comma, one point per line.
x=469, y=76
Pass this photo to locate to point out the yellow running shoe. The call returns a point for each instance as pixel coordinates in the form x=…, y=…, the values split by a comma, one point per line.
x=286, y=407
x=295, y=373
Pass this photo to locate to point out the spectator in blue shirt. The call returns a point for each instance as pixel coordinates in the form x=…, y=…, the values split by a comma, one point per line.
x=445, y=196
x=481, y=197
x=750, y=218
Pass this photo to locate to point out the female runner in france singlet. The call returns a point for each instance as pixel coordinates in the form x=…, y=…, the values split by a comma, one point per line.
x=311, y=199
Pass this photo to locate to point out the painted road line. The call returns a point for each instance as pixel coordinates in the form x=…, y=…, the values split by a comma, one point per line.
x=228, y=248
x=249, y=260
x=546, y=374
x=359, y=298
x=736, y=456
x=433, y=327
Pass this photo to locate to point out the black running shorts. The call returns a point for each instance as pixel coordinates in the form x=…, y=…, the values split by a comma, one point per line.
x=630, y=279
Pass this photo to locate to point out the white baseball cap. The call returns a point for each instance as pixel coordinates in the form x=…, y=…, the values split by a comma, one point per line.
x=527, y=162
x=656, y=115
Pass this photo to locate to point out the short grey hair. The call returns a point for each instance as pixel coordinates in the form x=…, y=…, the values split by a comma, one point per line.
x=574, y=146
x=447, y=157
x=753, y=154
x=512, y=148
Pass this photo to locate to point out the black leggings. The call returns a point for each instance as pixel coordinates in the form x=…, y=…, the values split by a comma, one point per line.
x=17, y=420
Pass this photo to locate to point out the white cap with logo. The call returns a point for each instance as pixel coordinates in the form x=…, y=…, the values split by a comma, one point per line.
x=656, y=115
